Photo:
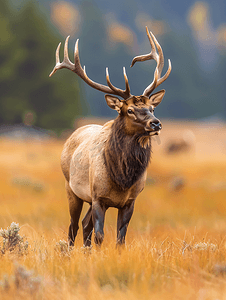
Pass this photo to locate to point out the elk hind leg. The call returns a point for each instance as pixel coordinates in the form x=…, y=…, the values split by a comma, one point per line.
x=87, y=224
x=75, y=208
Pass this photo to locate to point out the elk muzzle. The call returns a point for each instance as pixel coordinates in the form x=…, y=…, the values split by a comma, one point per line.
x=153, y=126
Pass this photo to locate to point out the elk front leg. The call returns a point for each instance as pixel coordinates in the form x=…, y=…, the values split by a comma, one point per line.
x=87, y=224
x=98, y=214
x=124, y=216
x=75, y=208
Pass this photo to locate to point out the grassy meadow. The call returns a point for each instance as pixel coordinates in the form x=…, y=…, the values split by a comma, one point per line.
x=176, y=240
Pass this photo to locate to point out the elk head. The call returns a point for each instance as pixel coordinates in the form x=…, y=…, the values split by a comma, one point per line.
x=137, y=111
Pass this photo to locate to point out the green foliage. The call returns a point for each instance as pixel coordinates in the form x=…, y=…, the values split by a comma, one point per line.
x=26, y=59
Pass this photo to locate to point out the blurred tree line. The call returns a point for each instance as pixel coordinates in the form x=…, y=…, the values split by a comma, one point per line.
x=26, y=58
x=192, y=90
x=28, y=43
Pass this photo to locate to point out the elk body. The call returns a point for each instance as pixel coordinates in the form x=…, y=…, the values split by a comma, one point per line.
x=105, y=166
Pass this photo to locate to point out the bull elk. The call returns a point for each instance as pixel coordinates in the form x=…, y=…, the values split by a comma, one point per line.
x=106, y=166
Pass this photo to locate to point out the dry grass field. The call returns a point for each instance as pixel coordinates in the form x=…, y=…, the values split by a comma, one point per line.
x=176, y=240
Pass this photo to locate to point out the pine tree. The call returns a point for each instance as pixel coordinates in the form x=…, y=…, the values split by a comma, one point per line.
x=27, y=50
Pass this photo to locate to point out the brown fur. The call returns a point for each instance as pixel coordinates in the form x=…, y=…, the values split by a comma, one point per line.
x=125, y=158
x=144, y=141
x=106, y=166
x=67, y=153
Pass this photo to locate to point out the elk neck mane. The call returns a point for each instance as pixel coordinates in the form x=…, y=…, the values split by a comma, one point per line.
x=125, y=158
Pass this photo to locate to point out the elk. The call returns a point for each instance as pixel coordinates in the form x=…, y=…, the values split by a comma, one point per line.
x=106, y=166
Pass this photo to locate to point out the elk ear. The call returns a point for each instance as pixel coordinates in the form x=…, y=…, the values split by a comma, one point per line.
x=114, y=103
x=156, y=98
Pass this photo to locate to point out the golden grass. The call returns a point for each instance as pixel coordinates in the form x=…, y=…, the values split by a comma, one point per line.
x=176, y=240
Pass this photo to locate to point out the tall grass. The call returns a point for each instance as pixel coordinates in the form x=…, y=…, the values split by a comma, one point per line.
x=175, y=245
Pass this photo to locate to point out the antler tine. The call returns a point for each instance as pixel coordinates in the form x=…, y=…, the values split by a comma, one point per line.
x=161, y=65
x=159, y=58
x=57, y=60
x=124, y=94
x=163, y=78
x=150, y=88
x=127, y=90
x=58, y=54
x=152, y=55
x=66, y=63
x=76, y=68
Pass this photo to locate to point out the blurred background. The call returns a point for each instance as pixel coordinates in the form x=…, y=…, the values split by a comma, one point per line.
x=191, y=33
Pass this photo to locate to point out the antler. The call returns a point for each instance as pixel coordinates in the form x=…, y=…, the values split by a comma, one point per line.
x=76, y=68
x=159, y=58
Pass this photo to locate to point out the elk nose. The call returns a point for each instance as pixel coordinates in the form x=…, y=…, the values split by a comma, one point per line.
x=155, y=125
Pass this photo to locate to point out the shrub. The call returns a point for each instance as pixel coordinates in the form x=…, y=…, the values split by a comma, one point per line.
x=12, y=240
x=22, y=280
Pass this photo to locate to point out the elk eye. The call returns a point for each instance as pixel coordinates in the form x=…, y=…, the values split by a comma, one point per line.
x=130, y=111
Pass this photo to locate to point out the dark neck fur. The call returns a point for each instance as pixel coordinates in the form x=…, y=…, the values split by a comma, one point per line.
x=125, y=159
